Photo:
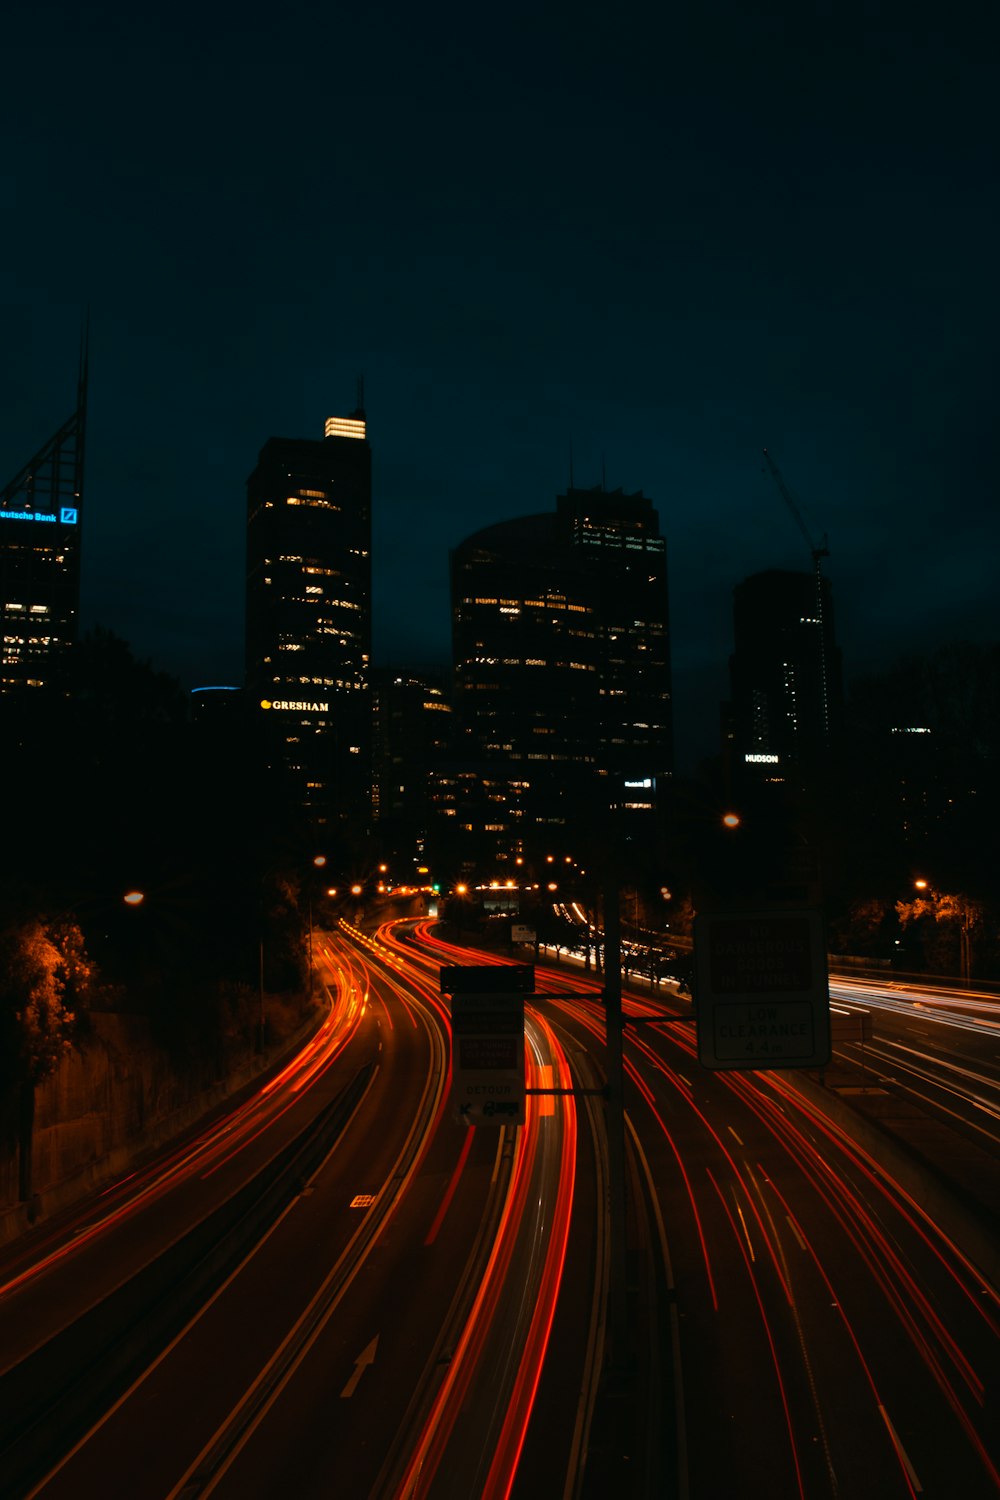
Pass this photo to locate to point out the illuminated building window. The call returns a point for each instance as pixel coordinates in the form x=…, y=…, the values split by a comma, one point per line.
x=348, y=427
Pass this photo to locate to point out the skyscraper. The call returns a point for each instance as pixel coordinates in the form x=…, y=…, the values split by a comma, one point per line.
x=562, y=668
x=308, y=617
x=411, y=721
x=785, y=674
x=40, y=523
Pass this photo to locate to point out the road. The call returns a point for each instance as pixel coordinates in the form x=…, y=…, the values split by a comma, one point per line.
x=939, y=1046
x=411, y=1279
x=426, y=1311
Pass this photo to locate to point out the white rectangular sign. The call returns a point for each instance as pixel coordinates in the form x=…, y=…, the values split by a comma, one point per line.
x=762, y=997
x=488, y=1058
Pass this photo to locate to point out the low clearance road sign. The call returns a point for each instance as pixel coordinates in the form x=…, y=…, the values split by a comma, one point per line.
x=488, y=1058
x=762, y=997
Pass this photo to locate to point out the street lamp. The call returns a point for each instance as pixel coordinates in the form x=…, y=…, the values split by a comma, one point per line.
x=964, y=925
x=319, y=860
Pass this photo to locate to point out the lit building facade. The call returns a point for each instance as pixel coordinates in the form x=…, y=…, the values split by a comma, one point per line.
x=412, y=735
x=561, y=671
x=308, y=618
x=41, y=512
x=786, y=682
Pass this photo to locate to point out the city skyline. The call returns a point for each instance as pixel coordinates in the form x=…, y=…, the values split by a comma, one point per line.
x=773, y=232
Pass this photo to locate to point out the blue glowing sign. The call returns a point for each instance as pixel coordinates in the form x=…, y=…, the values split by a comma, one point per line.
x=68, y=515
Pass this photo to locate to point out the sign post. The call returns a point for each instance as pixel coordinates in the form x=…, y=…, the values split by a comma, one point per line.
x=762, y=997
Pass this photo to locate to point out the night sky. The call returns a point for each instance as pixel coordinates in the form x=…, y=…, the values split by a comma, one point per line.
x=660, y=236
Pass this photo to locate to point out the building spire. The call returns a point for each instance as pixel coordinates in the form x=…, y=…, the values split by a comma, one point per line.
x=81, y=380
x=361, y=397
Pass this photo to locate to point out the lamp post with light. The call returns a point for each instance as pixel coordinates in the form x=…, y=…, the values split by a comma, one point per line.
x=319, y=862
x=965, y=917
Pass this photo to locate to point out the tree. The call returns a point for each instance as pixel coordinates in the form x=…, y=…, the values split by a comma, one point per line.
x=46, y=979
x=944, y=923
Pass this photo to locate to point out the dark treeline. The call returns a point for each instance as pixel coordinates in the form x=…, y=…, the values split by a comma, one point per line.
x=111, y=789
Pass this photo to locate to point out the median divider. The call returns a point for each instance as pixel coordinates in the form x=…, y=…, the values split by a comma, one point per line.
x=49, y=1399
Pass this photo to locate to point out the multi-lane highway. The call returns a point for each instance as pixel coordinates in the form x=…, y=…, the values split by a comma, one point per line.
x=403, y=1306
x=939, y=1047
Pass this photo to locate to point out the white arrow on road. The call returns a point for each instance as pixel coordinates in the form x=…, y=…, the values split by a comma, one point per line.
x=364, y=1359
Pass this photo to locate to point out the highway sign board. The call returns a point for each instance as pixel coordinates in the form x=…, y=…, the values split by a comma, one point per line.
x=762, y=996
x=467, y=979
x=488, y=1058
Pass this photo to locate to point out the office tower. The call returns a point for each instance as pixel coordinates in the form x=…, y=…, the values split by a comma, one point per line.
x=412, y=722
x=618, y=538
x=785, y=674
x=562, y=670
x=40, y=522
x=308, y=619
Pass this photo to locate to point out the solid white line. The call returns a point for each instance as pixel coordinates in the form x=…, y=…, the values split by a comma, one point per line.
x=904, y=1457
x=680, y=1418
x=794, y=1228
x=498, y=1158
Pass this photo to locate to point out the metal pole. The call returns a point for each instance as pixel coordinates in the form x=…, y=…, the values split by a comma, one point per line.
x=618, y=1311
x=260, y=1022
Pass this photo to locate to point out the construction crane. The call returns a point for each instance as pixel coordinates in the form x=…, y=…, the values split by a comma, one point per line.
x=817, y=551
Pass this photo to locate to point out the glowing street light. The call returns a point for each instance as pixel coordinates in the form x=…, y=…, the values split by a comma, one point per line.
x=134, y=898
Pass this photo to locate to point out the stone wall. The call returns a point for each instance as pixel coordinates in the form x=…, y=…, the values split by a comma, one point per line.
x=106, y=1106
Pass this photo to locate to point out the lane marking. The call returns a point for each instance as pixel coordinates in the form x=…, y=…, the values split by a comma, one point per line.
x=364, y=1359
x=432, y=1233
x=795, y=1230
x=901, y=1451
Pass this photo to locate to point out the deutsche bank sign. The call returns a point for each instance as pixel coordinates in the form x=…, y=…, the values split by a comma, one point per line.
x=68, y=515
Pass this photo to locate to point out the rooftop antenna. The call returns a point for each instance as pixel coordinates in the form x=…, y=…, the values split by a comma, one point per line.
x=604, y=481
x=361, y=395
x=571, y=485
x=81, y=379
